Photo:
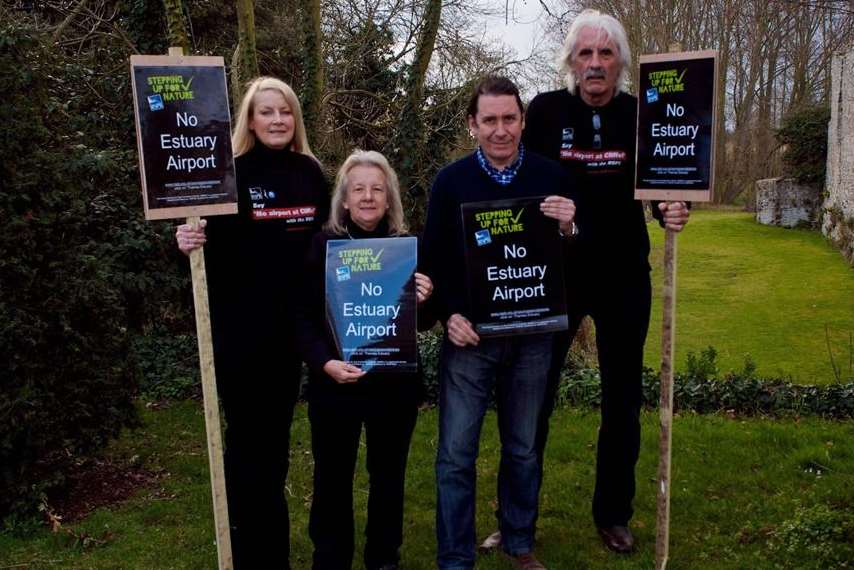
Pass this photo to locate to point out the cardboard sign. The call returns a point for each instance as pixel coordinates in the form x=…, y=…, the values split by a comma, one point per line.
x=183, y=128
x=676, y=126
x=370, y=301
x=514, y=261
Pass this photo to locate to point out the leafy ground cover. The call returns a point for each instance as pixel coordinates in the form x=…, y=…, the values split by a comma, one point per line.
x=747, y=493
x=766, y=292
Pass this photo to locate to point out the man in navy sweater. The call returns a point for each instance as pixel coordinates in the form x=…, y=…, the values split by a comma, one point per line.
x=516, y=366
x=590, y=128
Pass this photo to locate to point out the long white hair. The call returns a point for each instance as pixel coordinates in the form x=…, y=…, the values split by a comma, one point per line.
x=603, y=23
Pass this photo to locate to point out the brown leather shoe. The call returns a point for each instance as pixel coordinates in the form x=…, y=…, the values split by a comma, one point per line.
x=617, y=538
x=525, y=561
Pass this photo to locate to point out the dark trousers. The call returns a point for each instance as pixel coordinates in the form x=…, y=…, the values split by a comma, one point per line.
x=620, y=309
x=259, y=386
x=336, y=426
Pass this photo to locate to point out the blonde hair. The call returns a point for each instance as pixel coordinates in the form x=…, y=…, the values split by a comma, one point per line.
x=615, y=32
x=243, y=139
x=337, y=223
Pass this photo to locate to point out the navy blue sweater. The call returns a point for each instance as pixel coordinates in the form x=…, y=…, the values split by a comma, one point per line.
x=465, y=181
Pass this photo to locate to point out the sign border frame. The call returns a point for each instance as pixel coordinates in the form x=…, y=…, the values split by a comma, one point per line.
x=175, y=61
x=695, y=195
x=470, y=293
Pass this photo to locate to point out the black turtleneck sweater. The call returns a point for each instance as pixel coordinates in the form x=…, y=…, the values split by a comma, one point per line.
x=315, y=338
x=254, y=258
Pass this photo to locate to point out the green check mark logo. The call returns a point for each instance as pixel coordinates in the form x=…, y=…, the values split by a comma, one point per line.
x=517, y=216
x=681, y=75
x=376, y=258
x=187, y=86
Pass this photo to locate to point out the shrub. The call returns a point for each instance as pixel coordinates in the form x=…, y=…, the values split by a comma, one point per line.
x=80, y=270
x=699, y=389
x=817, y=533
x=166, y=364
x=804, y=132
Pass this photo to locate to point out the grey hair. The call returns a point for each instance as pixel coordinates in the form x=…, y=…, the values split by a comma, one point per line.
x=337, y=223
x=612, y=28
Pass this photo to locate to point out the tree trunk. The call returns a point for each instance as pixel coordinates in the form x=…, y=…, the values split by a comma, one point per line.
x=408, y=142
x=176, y=25
x=312, y=93
x=244, y=62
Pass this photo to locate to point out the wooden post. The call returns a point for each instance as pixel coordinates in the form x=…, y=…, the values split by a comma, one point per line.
x=668, y=335
x=209, y=393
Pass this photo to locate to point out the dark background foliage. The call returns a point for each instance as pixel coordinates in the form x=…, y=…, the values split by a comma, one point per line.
x=804, y=134
x=81, y=274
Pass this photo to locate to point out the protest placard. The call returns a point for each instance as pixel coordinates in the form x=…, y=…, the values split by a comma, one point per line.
x=514, y=260
x=371, y=302
x=676, y=126
x=183, y=127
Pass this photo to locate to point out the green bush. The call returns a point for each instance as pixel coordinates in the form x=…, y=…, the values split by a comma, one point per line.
x=804, y=133
x=80, y=271
x=700, y=388
x=166, y=364
x=817, y=533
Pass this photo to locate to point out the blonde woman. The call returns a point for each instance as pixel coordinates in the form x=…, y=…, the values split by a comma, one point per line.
x=343, y=398
x=254, y=266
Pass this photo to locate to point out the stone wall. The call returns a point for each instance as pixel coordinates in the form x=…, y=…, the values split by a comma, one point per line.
x=838, y=208
x=785, y=202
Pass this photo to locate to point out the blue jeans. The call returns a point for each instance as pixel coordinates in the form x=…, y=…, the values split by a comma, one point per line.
x=517, y=367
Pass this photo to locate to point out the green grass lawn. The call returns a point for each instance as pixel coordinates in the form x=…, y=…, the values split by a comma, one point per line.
x=749, y=289
x=735, y=484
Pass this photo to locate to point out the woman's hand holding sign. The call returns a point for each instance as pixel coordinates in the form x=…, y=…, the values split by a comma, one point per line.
x=562, y=209
x=342, y=372
x=190, y=237
x=423, y=287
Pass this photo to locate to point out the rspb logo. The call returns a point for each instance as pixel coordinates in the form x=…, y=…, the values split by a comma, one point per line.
x=483, y=237
x=155, y=102
x=342, y=273
x=652, y=95
x=566, y=137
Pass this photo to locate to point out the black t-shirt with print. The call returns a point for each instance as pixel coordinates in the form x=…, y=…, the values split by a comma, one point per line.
x=596, y=146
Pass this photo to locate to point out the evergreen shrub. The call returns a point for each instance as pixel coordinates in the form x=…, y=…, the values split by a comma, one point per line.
x=700, y=388
x=804, y=134
x=81, y=272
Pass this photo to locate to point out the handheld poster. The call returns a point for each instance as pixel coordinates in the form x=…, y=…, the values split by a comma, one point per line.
x=183, y=127
x=514, y=261
x=677, y=117
x=370, y=301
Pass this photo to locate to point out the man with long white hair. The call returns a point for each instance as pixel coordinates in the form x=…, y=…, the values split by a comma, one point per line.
x=590, y=128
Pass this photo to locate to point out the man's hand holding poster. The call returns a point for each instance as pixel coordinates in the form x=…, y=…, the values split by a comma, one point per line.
x=514, y=259
x=370, y=301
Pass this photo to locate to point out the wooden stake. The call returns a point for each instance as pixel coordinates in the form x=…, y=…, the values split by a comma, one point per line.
x=668, y=333
x=211, y=403
x=213, y=426
x=665, y=406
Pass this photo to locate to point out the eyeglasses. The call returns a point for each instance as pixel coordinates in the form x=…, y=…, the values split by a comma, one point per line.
x=597, y=136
